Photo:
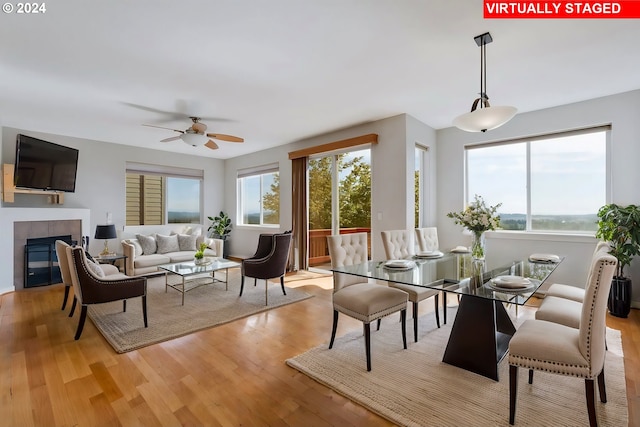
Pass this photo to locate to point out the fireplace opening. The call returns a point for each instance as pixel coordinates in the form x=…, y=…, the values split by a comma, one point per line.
x=41, y=262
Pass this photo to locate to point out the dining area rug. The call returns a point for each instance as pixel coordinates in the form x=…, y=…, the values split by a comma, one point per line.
x=204, y=307
x=414, y=387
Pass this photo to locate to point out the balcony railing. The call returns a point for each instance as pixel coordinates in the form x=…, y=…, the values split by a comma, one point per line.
x=318, y=250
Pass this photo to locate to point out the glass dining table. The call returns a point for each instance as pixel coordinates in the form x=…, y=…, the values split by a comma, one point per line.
x=482, y=328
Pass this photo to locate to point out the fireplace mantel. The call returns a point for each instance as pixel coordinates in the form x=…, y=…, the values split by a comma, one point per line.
x=8, y=216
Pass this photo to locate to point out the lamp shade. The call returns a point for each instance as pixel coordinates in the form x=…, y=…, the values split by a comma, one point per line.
x=106, y=231
x=484, y=119
x=195, y=139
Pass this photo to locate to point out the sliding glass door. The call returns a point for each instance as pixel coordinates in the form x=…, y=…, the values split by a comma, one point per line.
x=339, y=200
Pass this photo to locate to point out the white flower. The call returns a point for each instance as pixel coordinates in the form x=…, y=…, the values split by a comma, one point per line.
x=477, y=217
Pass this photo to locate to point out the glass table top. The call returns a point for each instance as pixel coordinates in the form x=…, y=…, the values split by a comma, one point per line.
x=187, y=268
x=458, y=273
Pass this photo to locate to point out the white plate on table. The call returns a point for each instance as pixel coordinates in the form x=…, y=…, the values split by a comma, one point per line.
x=547, y=258
x=399, y=264
x=460, y=250
x=429, y=254
x=511, y=284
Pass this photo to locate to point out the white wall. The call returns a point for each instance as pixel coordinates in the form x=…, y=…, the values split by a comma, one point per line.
x=100, y=181
x=392, y=165
x=621, y=111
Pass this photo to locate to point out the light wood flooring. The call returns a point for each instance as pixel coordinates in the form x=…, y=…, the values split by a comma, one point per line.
x=230, y=375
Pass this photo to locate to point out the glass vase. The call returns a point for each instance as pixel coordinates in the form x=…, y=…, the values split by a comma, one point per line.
x=477, y=245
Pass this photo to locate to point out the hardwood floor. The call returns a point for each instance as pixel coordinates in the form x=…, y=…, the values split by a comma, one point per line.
x=230, y=375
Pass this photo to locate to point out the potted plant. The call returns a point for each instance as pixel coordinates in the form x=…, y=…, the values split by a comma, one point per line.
x=620, y=226
x=199, y=255
x=220, y=228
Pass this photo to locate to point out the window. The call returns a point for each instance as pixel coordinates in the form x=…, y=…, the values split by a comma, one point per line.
x=553, y=183
x=162, y=195
x=259, y=196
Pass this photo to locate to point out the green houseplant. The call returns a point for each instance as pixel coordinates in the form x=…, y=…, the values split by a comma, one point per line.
x=620, y=226
x=199, y=255
x=220, y=226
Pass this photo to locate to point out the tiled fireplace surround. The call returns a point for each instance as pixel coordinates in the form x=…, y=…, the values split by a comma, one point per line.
x=24, y=230
x=40, y=222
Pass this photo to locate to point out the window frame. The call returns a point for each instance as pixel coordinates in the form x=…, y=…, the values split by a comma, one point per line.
x=167, y=172
x=532, y=139
x=258, y=171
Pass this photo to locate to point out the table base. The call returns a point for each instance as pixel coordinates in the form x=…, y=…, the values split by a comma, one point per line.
x=479, y=336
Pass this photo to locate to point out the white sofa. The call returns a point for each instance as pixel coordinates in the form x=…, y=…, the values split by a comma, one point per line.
x=139, y=262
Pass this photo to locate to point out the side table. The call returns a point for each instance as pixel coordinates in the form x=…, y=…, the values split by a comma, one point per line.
x=111, y=259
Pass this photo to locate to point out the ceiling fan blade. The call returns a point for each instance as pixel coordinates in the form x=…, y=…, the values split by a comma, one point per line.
x=211, y=145
x=173, y=138
x=223, y=137
x=162, y=127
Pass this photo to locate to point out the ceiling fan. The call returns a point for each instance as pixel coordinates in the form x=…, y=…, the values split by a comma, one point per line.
x=195, y=135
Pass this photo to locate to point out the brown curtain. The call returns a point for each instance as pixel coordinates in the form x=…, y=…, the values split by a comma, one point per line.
x=298, y=256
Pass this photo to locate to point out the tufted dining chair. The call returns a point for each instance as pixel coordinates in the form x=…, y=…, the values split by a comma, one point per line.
x=355, y=296
x=563, y=303
x=399, y=245
x=574, y=293
x=560, y=349
x=427, y=239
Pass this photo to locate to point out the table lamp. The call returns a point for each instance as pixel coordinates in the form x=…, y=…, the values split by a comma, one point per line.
x=106, y=232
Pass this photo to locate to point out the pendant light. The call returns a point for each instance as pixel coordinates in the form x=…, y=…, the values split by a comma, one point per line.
x=485, y=117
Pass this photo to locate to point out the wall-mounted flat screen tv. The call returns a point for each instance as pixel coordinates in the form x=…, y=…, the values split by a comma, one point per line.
x=44, y=165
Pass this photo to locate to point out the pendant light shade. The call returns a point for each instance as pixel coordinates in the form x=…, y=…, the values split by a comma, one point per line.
x=484, y=117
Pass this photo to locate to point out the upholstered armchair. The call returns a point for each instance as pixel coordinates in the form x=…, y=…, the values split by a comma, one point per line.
x=552, y=347
x=355, y=296
x=63, y=263
x=427, y=239
x=272, y=263
x=398, y=244
x=90, y=288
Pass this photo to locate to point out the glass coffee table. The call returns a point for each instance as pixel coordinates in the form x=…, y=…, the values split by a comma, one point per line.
x=189, y=271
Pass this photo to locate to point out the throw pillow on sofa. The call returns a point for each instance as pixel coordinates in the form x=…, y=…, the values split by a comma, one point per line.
x=148, y=244
x=187, y=242
x=95, y=269
x=167, y=244
x=137, y=248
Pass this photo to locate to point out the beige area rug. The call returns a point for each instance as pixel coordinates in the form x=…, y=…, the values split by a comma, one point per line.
x=414, y=387
x=304, y=275
x=204, y=307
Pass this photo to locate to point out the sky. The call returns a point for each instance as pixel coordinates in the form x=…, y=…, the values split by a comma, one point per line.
x=183, y=195
x=567, y=177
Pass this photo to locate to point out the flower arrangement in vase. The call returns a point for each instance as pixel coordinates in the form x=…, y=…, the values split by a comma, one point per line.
x=199, y=255
x=477, y=218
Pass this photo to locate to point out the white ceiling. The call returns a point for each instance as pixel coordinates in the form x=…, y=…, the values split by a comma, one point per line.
x=278, y=71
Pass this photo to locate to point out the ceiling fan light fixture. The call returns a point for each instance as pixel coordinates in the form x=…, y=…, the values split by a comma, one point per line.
x=482, y=116
x=194, y=139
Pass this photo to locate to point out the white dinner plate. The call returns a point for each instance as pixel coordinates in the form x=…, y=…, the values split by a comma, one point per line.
x=432, y=254
x=492, y=285
x=511, y=282
x=544, y=258
x=399, y=264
